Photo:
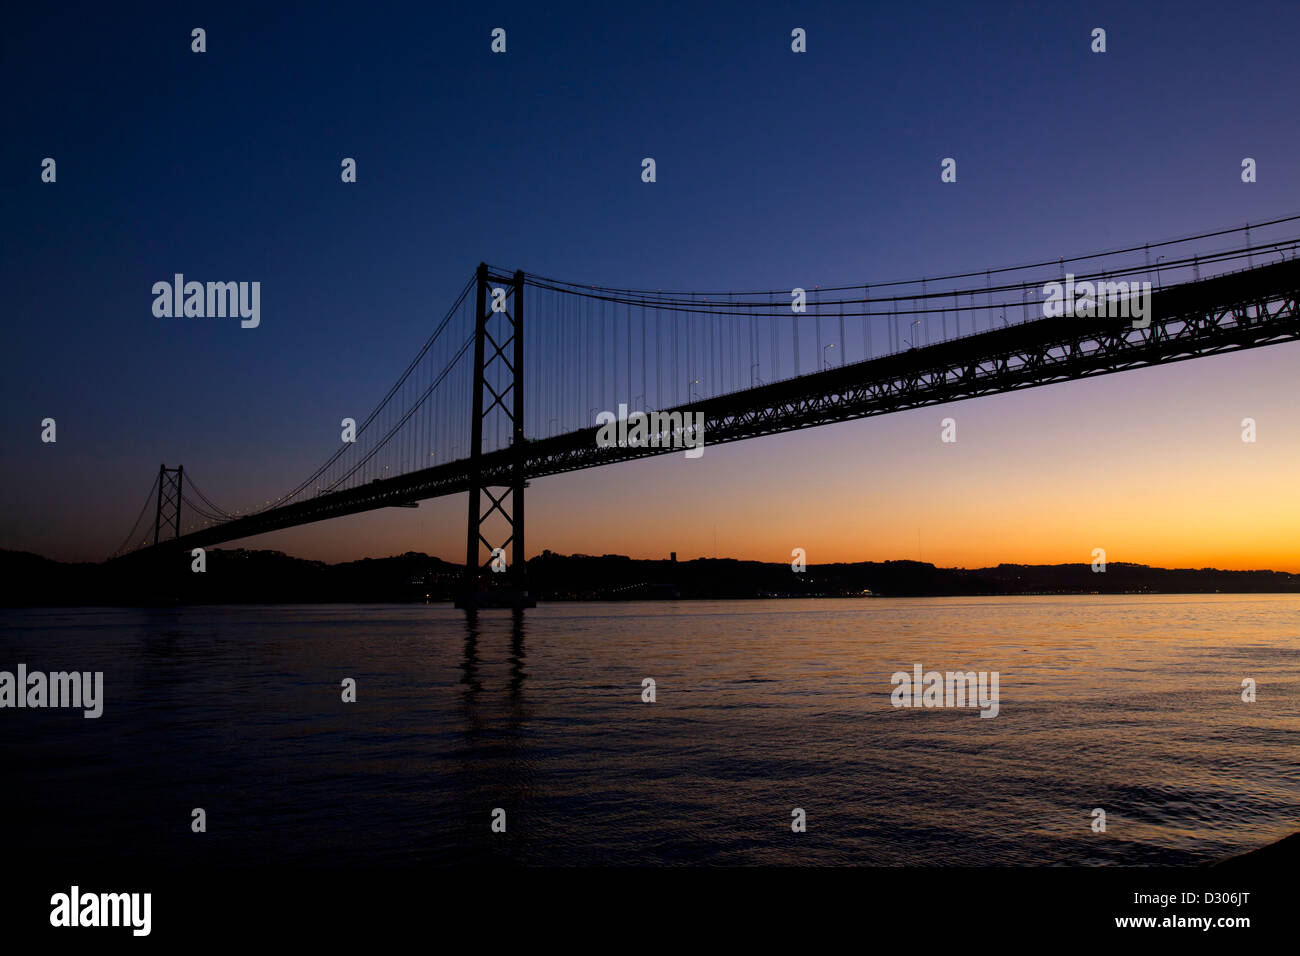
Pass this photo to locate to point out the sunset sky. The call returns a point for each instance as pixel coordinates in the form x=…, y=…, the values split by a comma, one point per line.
x=775, y=169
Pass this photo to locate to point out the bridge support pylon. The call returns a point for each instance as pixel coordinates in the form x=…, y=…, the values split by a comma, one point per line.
x=499, y=348
x=168, y=512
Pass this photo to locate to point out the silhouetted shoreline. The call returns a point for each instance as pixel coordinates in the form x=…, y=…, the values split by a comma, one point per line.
x=239, y=576
x=1282, y=853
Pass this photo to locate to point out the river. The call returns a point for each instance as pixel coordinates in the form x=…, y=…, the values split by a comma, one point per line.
x=1127, y=704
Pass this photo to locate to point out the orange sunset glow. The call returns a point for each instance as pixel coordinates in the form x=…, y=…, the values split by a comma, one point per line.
x=1149, y=465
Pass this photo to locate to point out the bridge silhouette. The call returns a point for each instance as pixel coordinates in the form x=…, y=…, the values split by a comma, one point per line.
x=509, y=386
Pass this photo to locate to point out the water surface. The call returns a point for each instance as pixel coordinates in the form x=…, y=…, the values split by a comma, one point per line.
x=1130, y=703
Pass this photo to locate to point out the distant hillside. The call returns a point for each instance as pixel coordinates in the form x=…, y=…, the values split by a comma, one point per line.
x=232, y=577
x=553, y=576
x=252, y=577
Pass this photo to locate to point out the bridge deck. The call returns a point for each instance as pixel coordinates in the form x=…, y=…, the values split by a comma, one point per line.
x=1237, y=311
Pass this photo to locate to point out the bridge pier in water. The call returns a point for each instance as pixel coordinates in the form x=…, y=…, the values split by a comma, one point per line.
x=494, y=582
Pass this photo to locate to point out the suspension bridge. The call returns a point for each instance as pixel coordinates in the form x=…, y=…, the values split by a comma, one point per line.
x=509, y=385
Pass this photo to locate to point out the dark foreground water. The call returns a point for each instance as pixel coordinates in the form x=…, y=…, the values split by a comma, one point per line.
x=1130, y=704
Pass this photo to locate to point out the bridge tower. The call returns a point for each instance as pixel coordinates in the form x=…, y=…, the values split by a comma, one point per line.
x=498, y=338
x=168, y=512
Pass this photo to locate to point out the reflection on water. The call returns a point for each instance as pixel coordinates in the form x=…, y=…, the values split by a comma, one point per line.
x=1131, y=704
x=470, y=664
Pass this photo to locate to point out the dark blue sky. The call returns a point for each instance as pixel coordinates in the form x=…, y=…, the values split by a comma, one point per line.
x=774, y=170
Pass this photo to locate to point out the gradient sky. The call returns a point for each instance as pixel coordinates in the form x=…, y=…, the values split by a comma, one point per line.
x=774, y=170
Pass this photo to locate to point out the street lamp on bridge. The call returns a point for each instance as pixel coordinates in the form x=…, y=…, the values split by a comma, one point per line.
x=909, y=341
